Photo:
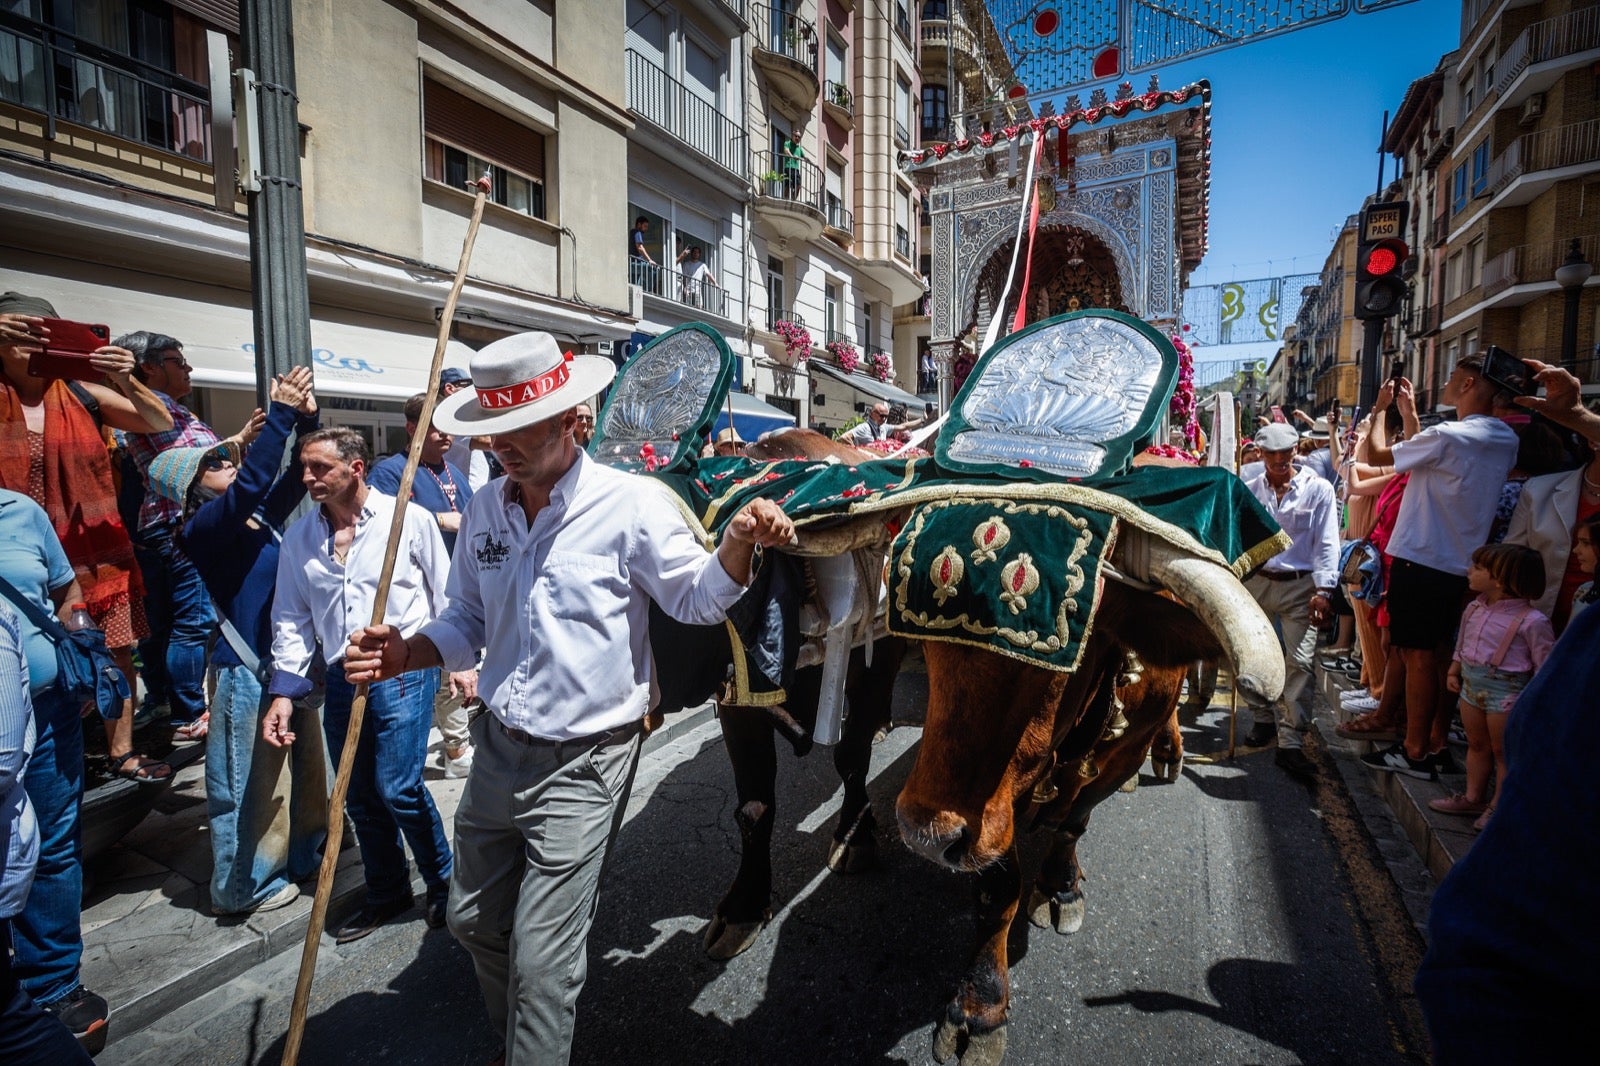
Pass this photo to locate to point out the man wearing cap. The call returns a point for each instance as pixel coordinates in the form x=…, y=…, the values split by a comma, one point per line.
x=728, y=443
x=1293, y=587
x=467, y=454
x=558, y=565
x=1320, y=460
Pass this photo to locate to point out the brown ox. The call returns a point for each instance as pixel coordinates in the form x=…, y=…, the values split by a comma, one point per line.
x=1003, y=740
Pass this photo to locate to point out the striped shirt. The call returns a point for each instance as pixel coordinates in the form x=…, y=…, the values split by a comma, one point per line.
x=187, y=432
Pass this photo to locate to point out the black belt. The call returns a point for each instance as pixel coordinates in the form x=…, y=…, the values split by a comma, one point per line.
x=1284, y=575
x=593, y=740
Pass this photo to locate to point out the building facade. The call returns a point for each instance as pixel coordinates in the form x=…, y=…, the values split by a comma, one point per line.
x=118, y=198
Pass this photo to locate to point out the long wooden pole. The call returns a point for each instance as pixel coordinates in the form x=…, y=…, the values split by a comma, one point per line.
x=358, y=705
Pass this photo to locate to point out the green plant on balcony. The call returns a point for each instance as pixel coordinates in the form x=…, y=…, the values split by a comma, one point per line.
x=841, y=96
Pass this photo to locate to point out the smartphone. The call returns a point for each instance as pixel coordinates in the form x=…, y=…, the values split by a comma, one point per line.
x=72, y=366
x=74, y=337
x=1508, y=372
x=1397, y=370
x=1277, y=414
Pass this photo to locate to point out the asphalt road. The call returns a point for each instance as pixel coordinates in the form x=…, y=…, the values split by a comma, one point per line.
x=1224, y=926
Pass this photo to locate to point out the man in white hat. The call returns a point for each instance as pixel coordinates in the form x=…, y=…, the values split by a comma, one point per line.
x=557, y=566
x=1293, y=587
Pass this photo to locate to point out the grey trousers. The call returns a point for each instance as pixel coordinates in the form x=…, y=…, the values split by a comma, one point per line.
x=450, y=715
x=1288, y=605
x=532, y=833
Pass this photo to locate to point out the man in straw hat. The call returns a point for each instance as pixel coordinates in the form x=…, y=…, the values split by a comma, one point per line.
x=557, y=566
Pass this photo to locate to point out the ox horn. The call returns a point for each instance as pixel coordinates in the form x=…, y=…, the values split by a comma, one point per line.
x=1219, y=600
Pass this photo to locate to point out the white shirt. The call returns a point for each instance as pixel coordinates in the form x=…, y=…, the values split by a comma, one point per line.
x=474, y=462
x=320, y=598
x=1310, y=515
x=563, y=609
x=1457, y=471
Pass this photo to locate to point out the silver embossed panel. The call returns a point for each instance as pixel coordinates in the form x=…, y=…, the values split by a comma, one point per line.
x=659, y=400
x=1053, y=397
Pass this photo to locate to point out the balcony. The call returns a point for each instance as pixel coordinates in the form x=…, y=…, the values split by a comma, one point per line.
x=676, y=286
x=786, y=53
x=1438, y=229
x=837, y=223
x=947, y=42
x=902, y=242
x=670, y=106
x=1536, y=161
x=72, y=79
x=789, y=196
x=839, y=103
x=1542, y=52
x=1521, y=274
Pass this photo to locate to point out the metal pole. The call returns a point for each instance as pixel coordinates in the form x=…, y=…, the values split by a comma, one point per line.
x=1371, y=339
x=1569, y=327
x=277, y=216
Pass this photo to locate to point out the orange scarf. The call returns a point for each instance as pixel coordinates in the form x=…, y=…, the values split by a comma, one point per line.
x=78, y=493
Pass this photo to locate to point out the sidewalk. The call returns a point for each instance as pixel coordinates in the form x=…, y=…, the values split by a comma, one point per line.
x=1440, y=839
x=150, y=941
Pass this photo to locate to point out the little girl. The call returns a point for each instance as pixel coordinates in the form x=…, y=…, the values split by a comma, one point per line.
x=1502, y=642
x=1584, y=550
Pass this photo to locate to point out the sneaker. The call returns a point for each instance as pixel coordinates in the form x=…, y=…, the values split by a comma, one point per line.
x=1360, y=705
x=458, y=767
x=1394, y=759
x=1445, y=763
x=1458, y=735
x=85, y=1015
x=1353, y=694
x=1483, y=819
x=1260, y=735
x=1457, y=803
x=151, y=712
x=281, y=898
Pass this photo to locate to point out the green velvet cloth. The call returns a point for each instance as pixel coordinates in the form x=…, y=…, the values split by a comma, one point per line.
x=1205, y=510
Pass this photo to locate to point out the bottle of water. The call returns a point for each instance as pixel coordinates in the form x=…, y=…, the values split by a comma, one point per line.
x=79, y=619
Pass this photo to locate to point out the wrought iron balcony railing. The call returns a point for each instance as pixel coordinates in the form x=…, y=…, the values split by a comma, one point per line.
x=668, y=103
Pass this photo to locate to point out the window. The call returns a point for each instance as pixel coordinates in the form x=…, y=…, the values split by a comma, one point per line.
x=830, y=311
x=935, y=112
x=902, y=110
x=462, y=139
x=1469, y=344
x=935, y=9
x=1480, y=168
x=1458, y=202
x=1474, y=265
x=775, y=301
x=1454, y=277
x=837, y=70
x=902, y=223
x=902, y=19
x=838, y=215
x=1468, y=97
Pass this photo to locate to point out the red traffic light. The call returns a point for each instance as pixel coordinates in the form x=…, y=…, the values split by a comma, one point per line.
x=1385, y=257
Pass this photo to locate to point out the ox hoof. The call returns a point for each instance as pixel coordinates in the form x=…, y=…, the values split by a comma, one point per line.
x=1051, y=912
x=725, y=939
x=1131, y=784
x=1165, y=769
x=853, y=856
x=969, y=1049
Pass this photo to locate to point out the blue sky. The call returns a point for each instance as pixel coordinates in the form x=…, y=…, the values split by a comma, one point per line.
x=1295, y=123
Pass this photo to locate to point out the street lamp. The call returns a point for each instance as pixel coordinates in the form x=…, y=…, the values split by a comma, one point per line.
x=1570, y=275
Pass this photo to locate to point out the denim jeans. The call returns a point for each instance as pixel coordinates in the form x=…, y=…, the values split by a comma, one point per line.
x=29, y=1036
x=387, y=798
x=266, y=830
x=47, y=936
x=179, y=610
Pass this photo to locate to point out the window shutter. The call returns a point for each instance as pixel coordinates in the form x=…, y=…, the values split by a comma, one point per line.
x=487, y=134
x=222, y=14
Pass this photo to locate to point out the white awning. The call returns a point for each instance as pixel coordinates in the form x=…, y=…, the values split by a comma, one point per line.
x=864, y=382
x=352, y=354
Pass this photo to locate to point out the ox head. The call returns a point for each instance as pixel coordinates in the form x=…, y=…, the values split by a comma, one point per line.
x=992, y=723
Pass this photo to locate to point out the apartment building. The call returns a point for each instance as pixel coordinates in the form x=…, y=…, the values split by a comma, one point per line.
x=1327, y=332
x=1520, y=184
x=118, y=199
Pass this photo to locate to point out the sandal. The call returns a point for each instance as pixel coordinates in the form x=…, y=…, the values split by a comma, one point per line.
x=144, y=773
x=1367, y=727
x=195, y=730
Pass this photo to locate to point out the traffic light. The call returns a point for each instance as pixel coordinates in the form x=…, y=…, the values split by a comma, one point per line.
x=1379, y=287
x=1380, y=260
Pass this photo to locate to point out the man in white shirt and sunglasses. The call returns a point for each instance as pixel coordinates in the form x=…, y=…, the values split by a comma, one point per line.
x=557, y=566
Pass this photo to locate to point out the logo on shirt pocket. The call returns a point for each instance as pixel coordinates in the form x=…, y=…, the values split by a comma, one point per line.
x=491, y=553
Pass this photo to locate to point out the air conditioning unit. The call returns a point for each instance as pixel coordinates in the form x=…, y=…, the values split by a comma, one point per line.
x=1532, y=108
x=605, y=348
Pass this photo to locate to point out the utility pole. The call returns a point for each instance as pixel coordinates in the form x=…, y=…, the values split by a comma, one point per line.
x=277, y=216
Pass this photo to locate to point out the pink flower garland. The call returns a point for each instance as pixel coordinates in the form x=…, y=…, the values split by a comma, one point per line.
x=881, y=366
x=796, y=340
x=844, y=353
x=1183, y=406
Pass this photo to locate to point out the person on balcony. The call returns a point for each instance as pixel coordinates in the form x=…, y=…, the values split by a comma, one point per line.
x=643, y=270
x=696, y=275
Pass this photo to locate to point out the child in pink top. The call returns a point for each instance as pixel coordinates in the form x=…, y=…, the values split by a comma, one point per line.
x=1501, y=643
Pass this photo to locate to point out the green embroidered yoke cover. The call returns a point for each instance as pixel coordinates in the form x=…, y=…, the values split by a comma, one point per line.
x=1011, y=564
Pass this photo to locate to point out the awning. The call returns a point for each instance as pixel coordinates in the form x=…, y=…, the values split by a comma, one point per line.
x=352, y=354
x=865, y=383
x=751, y=417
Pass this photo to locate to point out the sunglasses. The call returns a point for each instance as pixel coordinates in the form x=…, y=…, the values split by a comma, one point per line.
x=183, y=364
x=586, y=418
x=216, y=462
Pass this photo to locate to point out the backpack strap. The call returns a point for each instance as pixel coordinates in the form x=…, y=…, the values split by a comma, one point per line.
x=52, y=629
x=1511, y=633
x=90, y=404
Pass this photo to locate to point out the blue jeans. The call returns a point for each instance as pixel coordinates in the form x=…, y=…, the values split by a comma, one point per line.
x=387, y=798
x=263, y=836
x=181, y=620
x=48, y=939
x=29, y=1036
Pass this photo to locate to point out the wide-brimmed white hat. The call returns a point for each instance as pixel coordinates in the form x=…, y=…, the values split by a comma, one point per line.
x=520, y=380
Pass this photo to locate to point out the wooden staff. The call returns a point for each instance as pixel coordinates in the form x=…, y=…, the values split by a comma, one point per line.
x=358, y=704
